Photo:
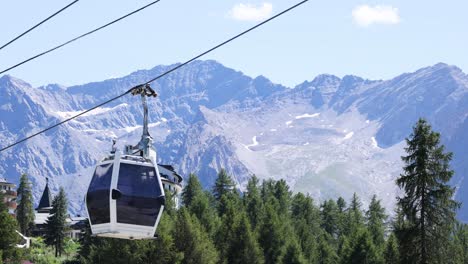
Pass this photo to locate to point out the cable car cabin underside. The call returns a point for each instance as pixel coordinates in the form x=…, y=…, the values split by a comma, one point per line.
x=125, y=198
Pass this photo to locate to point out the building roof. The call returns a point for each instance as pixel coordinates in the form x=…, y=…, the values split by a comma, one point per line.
x=167, y=171
x=46, y=199
x=4, y=181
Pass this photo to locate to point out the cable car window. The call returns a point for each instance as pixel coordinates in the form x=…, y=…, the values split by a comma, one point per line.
x=139, y=203
x=97, y=198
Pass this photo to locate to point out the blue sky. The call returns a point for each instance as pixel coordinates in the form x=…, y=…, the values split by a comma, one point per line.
x=372, y=39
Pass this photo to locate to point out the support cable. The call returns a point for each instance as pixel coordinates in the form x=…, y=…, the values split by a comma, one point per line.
x=158, y=77
x=40, y=23
x=79, y=37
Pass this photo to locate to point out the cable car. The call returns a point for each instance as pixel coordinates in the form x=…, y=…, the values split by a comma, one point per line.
x=125, y=198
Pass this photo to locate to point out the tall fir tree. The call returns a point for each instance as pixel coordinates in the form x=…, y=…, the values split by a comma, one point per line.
x=191, y=189
x=293, y=254
x=326, y=253
x=427, y=203
x=330, y=218
x=283, y=196
x=253, y=202
x=355, y=218
x=56, y=223
x=192, y=241
x=273, y=234
x=391, y=253
x=376, y=221
x=361, y=250
x=242, y=242
x=306, y=221
x=8, y=236
x=25, y=211
x=342, y=216
x=223, y=185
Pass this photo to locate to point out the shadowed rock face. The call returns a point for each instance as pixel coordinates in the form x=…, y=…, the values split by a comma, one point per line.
x=329, y=136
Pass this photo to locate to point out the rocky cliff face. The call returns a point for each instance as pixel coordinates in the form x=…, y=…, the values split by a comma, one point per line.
x=330, y=136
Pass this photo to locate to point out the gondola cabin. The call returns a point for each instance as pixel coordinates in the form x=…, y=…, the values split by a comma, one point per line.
x=125, y=198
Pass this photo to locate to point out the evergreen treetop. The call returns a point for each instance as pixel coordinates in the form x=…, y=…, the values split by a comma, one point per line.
x=427, y=204
x=24, y=210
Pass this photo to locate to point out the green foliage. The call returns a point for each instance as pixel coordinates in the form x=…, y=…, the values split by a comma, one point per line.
x=326, y=254
x=25, y=211
x=330, y=218
x=293, y=255
x=56, y=223
x=427, y=207
x=354, y=217
x=3, y=206
x=253, y=202
x=391, y=253
x=8, y=237
x=191, y=190
x=41, y=254
x=270, y=225
x=273, y=235
x=306, y=221
x=376, y=217
x=361, y=250
x=223, y=185
x=163, y=250
x=242, y=246
x=192, y=240
x=459, y=248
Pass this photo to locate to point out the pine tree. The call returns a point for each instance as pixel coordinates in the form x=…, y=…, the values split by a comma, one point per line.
x=8, y=236
x=427, y=204
x=293, y=254
x=391, y=253
x=24, y=211
x=283, y=196
x=56, y=223
x=253, y=202
x=330, y=220
x=459, y=248
x=363, y=250
x=342, y=216
x=355, y=217
x=163, y=250
x=273, y=234
x=192, y=240
x=3, y=206
x=243, y=246
x=376, y=218
x=223, y=185
x=306, y=221
x=191, y=189
x=341, y=203
x=326, y=252
x=86, y=242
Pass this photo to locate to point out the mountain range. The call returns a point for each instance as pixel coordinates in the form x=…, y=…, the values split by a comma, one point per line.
x=328, y=137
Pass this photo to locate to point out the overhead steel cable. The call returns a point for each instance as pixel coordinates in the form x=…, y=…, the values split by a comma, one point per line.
x=40, y=23
x=80, y=36
x=159, y=76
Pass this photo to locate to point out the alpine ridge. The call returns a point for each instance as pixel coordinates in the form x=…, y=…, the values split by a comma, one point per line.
x=327, y=137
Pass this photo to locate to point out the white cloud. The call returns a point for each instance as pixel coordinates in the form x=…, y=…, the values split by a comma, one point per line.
x=365, y=15
x=249, y=12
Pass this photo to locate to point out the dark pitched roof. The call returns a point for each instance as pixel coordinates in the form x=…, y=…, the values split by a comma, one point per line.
x=46, y=199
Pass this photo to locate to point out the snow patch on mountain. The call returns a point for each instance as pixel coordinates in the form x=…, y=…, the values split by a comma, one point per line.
x=307, y=116
x=97, y=111
x=349, y=135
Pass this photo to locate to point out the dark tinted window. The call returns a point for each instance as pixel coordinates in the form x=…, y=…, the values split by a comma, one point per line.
x=97, y=198
x=141, y=196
